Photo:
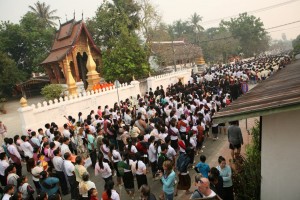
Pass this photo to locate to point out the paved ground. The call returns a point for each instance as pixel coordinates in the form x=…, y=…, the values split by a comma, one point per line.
x=212, y=151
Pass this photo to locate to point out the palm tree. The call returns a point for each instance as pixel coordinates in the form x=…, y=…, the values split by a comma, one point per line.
x=43, y=11
x=194, y=20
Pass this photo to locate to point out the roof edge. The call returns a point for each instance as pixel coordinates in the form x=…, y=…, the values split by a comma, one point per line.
x=269, y=111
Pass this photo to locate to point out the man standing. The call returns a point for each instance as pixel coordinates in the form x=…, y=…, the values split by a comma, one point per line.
x=3, y=132
x=69, y=170
x=203, y=190
x=235, y=138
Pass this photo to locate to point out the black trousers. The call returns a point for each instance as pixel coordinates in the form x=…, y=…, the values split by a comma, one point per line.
x=74, y=187
x=63, y=182
x=93, y=155
x=3, y=180
x=19, y=169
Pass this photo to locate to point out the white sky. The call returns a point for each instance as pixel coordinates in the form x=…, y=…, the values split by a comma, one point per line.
x=172, y=10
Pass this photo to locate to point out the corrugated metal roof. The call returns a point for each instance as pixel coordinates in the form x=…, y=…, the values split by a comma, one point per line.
x=278, y=93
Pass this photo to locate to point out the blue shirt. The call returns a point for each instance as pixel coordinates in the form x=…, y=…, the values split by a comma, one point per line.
x=203, y=168
x=50, y=181
x=226, y=175
x=169, y=183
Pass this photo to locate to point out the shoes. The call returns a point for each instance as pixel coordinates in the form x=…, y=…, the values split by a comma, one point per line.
x=201, y=151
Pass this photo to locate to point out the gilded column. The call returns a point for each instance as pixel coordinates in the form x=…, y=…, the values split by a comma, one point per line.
x=72, y=88
x=92, y=75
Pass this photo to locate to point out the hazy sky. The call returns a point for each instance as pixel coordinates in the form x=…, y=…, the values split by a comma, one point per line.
x=172, y=10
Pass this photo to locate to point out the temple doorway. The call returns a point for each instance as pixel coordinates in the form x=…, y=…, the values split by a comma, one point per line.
x=81, y=60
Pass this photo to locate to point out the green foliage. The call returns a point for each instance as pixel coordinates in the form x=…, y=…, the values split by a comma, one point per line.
x=250, y=32
x=296, y=44
x=52, y=91
x=123, y=55
x=9, y=73
x=218, y=49
x=247, y=179
x=42, y=11
x=28, y=43
x=126, y=59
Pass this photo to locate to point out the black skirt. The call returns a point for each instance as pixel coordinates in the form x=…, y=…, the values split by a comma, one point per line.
x=174, y=144
x=141, y=180
x=184, y=182
x=128, y=180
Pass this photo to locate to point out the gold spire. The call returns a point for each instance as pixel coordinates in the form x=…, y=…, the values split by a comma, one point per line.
x=23, y=102
x=72, y=88
x=93, y=75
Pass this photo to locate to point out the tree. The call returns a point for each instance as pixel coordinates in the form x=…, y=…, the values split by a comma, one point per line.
x=110, y=17
x=250, y=32
x=216, y=48
x=296, y=44
x=43, y=11
x=126, y=59
x=150, y=20
x=28, y=43
x=9, y=73
x=194, y=21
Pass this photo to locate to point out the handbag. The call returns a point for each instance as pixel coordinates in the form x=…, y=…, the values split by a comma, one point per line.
x=15, y=159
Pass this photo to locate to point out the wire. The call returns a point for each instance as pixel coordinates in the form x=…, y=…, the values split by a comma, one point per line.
x=284, y=29
x=283, y=25
x=233, y=36
x=252, y=12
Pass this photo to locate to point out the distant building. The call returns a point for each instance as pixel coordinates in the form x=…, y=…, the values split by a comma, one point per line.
x=168, y=53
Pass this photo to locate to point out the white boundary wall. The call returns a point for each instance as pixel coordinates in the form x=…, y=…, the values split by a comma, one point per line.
x=36, y=116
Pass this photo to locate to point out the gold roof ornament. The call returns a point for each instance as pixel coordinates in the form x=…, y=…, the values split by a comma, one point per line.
x=23, y=102
x=133, y=78
x=93, y=77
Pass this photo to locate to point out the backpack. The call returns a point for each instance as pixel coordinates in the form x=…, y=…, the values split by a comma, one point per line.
x=182, y=163
x=121, y=166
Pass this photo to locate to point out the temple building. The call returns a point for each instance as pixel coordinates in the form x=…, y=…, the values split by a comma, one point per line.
x=74, y=58
x=168, y=53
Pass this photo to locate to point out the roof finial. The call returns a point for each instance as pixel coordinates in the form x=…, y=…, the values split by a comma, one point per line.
x=59, y=21
x=82, y=15
x=66, y=17
x=74, y=15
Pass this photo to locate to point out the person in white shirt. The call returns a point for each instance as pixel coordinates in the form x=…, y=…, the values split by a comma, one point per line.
x=34, y=139
x=171, y=153
x=26, y=147
x=14, y=153
x=58, y=166
x=103, y=168
x=66, y=131
x=3, y=165
x=141, y=171
x=110, y=192
x=85, y=185
x=65, y=146
x=127, y=118
x=152, y=153
x=116, y=158
x=9, y=190
x=70, y=173
x=40, y=134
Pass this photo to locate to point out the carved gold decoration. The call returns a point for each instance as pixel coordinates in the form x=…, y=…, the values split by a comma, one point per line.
x=23, y=102
x=93, y=77
x=72, y=88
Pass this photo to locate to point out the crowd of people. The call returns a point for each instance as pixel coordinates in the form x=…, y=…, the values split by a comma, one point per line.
x=158, y=133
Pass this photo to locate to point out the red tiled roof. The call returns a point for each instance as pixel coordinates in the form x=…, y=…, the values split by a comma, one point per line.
x=65, y=38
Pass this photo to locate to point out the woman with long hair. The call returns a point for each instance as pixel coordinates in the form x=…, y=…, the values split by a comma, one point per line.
x=26, y=189
x=103, y=168
x=116, y=158
x=35, y=171
x=128, y=179
x=168, y=180
x=225, y=172
x=109, y=193
x=141, y=171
